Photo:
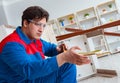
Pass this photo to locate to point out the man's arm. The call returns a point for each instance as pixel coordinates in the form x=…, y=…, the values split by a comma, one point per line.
x=27, y=65
x=49, y=49
x=70, y=56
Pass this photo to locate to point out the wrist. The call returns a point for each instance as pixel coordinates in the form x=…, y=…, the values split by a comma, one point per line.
x=61, y=59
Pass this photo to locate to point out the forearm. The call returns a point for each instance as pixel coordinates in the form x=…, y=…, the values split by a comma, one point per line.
x=49, y=49
x=63, y=58
x=60, y=59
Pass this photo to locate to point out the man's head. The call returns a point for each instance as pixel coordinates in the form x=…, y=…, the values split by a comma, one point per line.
x=34, y=19
x=34, y=12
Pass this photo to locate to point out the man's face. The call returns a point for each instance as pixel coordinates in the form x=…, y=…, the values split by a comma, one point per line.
x=35, y=28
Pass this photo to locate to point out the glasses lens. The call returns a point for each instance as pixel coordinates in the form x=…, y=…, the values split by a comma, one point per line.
x=38, y=24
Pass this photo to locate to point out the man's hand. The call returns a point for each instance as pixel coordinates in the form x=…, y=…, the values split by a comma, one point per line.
x=61, y=47
x=70, y=56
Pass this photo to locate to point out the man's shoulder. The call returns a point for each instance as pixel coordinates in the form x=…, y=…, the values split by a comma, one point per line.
x=12, y=37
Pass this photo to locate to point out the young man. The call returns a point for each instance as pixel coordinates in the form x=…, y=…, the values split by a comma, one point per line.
x=22, y=54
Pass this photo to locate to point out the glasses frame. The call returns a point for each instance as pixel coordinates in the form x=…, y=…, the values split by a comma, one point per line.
x=37, y=24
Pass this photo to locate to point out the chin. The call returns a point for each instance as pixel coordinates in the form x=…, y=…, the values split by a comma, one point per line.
x=37, y=37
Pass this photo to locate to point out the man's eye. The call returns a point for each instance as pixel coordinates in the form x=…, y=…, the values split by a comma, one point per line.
x=44, y=25
x=40, y=24
x=37, y=24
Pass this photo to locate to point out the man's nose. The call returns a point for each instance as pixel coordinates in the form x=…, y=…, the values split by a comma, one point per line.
x=41, y=28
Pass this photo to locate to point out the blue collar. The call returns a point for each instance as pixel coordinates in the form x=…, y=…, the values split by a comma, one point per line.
x=23, y=36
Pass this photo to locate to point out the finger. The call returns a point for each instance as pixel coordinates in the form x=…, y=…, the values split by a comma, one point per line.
x=85, y=61
x=76, y=48
x=78, y=62
x=82, y=60
x=66, y=47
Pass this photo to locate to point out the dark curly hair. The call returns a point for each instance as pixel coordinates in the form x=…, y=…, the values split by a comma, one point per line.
x=34, y=12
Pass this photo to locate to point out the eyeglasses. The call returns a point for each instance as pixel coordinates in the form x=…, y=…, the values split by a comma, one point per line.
x=38, y=24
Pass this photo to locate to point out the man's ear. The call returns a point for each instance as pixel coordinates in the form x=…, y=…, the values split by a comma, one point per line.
x=25, y=23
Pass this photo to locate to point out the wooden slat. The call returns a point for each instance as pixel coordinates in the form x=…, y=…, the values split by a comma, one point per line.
x=89, y=34
x=112, y=33
x=93, y=33
x=108, y=25
x=73, y=29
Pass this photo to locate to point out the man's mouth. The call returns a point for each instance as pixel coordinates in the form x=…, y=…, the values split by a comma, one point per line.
x=39, y=34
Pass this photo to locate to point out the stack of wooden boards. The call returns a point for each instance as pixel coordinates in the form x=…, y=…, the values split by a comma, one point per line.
x=99, y=53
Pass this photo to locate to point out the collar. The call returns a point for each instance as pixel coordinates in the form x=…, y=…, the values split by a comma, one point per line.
x=23, y=36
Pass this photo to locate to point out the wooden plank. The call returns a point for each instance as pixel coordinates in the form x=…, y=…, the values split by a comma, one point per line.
x=107, y=25
x=94, y=33
x=112, y=33
x=73, y=29
x=106, y=72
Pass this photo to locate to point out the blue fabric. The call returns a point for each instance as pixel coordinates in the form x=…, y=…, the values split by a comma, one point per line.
x=16, y=66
